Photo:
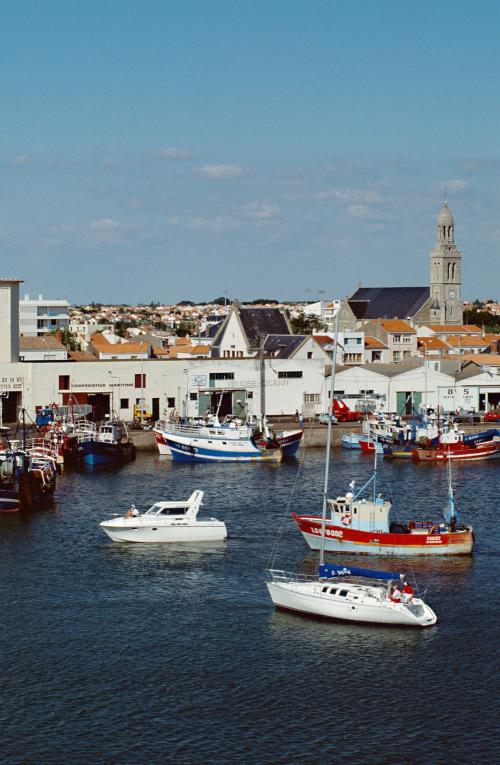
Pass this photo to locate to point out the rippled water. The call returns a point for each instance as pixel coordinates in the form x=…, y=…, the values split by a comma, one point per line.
x=154, y=654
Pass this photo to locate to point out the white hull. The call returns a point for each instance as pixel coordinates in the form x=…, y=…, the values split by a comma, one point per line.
x=208, y=531
x=310, y=598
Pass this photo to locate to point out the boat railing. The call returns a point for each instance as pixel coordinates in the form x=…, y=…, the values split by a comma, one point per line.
x=204, y=431
x=278, y=575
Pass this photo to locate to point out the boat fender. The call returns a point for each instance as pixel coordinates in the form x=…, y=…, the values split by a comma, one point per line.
x=346, y=520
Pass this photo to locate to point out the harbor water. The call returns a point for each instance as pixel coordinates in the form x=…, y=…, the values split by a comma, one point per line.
x=131, y=654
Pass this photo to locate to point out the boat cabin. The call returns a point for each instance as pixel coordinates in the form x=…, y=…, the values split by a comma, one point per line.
x=168, y=508
x=360, y=514
x=185, y=509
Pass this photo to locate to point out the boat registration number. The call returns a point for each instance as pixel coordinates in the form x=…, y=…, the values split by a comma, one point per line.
x=328, y=532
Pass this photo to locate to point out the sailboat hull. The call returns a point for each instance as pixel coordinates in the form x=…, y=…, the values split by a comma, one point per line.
x=314, y=599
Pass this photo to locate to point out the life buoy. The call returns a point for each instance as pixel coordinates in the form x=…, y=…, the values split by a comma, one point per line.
x=346, y=520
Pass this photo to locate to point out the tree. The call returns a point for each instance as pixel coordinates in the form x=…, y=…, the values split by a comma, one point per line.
x=306, y=325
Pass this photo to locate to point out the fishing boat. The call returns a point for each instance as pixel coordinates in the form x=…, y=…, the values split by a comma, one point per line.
x=456, y=445
x=216, y=442
x=346, y=600
x=110, y=445
x=27, y=477
x=357, y=524
x=166, y=522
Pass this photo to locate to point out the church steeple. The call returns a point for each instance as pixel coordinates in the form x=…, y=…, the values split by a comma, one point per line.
x=445, y=226
x=445, y=276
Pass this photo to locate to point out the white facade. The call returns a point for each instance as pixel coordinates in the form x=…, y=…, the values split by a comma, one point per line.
x=233, y=343
x=185, y=385
x=39, y=317
x=9, y=320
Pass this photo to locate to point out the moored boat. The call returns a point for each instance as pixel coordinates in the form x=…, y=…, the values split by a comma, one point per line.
x=379, y=602
x=455, y=445
x=111, y=445
x=166, y=522
x=215, y=442
x=27, y=478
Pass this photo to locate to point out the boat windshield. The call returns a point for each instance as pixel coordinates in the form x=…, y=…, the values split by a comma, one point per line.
x=160, y=509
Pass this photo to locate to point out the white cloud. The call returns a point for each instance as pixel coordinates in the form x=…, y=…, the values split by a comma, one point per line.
x=109, y=224
x=350, y=195
x=364, y=212
x=221, y=171
x=261, y=212
x=21, y=159
x=219, y=223
x=106, y=224
x=173, y=152
x=455, y=185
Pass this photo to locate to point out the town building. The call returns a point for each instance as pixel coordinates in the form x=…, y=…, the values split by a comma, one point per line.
x=40, y=316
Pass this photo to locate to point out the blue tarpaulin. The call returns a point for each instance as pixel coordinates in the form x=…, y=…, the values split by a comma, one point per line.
x=329, y=570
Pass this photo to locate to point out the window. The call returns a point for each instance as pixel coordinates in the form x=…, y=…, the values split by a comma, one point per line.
x=312, y=398
x=139, y=381
x=396, y=355
x=171, y=402
x=376, y=355
x=406, y=338
x=124, y=403
x=309, y=354
x=249, y=394
x=396, y=338
x=221, y=376
x=63, y=382
x=193, y=396
x=406, y=354
x=289, y=375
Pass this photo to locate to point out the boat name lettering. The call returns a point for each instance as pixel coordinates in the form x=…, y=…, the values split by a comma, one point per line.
x=328, y=532
x=433, y=540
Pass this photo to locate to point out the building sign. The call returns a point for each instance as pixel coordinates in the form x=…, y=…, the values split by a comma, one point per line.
x=199, y=380
x=11, y=383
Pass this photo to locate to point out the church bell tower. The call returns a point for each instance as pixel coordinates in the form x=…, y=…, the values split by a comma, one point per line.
x=445, y=273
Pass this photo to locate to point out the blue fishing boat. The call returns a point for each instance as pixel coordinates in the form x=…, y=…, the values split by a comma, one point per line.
x=110, y=445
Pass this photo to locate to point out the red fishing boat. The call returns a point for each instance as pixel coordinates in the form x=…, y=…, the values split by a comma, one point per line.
x=455, y=445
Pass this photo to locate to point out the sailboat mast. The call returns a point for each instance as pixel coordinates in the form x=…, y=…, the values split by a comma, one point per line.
x=328, y=441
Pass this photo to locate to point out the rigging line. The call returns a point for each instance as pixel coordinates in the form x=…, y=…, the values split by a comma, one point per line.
x=285, y=516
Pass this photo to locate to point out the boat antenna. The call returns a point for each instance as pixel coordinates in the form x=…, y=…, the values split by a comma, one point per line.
x=328, y=440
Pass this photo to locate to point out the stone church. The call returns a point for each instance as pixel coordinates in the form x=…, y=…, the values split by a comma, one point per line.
x=439, y=303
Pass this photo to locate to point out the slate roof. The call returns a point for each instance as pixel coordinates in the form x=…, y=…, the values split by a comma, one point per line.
x=388, y=302
x=213, y=329
x=259, y=322
x=282, y=346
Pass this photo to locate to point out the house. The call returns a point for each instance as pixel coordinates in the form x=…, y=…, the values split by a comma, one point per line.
x=106, y=350
x=375, y=351
x=244, y=330
x=47, y=348
x=399, y=337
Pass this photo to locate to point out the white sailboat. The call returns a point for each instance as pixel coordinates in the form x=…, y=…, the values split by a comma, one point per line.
x=378, y=602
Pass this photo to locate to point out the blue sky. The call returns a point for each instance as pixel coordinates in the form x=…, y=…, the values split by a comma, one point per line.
x=161, y=151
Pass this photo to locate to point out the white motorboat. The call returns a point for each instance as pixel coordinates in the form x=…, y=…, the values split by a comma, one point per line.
x=166, y=522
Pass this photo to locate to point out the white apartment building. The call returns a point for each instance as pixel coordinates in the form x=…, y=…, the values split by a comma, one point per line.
x=38, y=317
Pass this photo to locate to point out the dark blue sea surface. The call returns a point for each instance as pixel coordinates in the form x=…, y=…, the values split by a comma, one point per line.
x=116, y=653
